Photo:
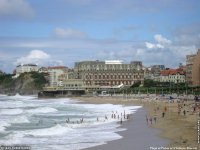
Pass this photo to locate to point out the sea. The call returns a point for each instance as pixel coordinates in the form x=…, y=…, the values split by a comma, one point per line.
x=58, y=124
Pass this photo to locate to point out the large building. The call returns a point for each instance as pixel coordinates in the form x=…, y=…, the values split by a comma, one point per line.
x=109, y=72
x=193, y=69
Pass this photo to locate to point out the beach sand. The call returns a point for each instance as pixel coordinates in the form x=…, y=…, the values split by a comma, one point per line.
x=174, y=131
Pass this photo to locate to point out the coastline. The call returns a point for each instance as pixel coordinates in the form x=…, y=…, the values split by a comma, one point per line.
x=174, y=131
x=137, y=136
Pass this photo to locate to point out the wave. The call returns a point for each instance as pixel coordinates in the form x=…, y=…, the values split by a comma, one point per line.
x=11, y=111
x=17, y=97
x=56, y=130
x=3, y=125
x=20, y=119
x=41, y=110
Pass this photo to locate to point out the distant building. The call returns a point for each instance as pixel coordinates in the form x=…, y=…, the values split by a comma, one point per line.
x=54, y=74
x=173, y=75
x=189, y=64
x=25, y=68
x=196, y=70
x=193, y=69
x=108, y=73
x=153, y=72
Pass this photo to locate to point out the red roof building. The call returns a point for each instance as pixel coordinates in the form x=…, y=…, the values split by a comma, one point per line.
x=173, y=75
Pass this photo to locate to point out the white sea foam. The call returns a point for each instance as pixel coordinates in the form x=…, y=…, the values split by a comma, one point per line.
x=3, y=125
x=19, y=97
x=57, y=130
x=19, y=119
x=11, y=111
x=41, y=110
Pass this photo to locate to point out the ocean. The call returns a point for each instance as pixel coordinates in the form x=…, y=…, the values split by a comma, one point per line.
x=55, y=124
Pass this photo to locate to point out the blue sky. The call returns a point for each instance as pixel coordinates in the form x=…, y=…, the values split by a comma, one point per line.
x=61, y=32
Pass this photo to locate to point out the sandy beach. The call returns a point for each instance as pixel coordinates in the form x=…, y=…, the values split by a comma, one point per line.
x=175, y=130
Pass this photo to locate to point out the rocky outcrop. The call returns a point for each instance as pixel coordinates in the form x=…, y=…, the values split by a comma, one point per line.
x=25, y=84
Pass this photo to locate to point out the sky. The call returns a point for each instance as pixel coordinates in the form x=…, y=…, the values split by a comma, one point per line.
x=62, y=32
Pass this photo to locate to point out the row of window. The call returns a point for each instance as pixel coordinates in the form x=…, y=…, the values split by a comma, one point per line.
x=110, y=83
x=113, y=77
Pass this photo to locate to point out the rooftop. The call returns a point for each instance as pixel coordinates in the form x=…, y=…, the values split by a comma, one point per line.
x=172, y=72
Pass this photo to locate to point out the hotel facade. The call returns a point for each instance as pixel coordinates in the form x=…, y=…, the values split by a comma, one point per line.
x=109, y=73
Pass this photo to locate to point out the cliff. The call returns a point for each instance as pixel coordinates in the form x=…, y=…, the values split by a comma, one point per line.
x=25, y=84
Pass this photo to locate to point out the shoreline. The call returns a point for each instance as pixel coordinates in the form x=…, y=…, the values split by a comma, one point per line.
x=135, y=135
x=174, y=130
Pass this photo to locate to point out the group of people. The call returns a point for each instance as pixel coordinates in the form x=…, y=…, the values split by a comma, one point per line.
x=191, y=107
x=121, y=117
x=183, y=108
x=153, y=118
x=115, y=115
x=150, y=119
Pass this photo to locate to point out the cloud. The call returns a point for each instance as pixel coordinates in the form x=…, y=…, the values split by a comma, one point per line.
x=69, y=33
x=40, y=58
x=35, y=56
x=153, y=46
x=15, y=8
x=161, y=40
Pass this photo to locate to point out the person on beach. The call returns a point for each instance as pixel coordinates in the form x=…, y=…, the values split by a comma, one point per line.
x=194, y=109
x=155, y=119
x=127, y=116
x=184, y=112
x=106, y=117
x=147, y=120
x=163, y=114
x=97, y=119
x=150, y=119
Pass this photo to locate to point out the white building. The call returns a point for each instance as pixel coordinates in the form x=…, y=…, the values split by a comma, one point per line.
x=25, y=68
x=172, y=75
x=55, y=73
